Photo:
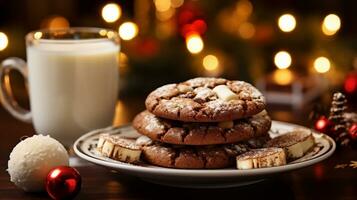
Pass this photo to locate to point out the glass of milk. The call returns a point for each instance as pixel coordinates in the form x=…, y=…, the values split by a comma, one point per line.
x=72, y=76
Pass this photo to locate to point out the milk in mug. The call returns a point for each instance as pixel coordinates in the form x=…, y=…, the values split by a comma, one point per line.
x=73, y=86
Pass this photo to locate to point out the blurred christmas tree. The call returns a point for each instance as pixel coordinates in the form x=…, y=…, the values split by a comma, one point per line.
x=241, y=39
x=166, y=41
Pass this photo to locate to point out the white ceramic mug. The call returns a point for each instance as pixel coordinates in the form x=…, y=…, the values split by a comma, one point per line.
x=73, y=81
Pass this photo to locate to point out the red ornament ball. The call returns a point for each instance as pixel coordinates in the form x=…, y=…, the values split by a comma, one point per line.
x=353, y=131
x=350, y=83
x=63, y=182
x=323, y=125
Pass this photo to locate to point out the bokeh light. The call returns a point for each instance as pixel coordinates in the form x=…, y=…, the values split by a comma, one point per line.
x=287, y=22
x=198, y=26
x=350, y=83
x=166, y=15
x=165, y=29
x=54, y=22
x=282, y=60
x=283, y=76
x=123, y=62
x=110, y=34
x=246, y=30
x=103, y=32
x=37, y=35
x=128, y=30
x=111, y=12
x=120, y=117
x=210, y=62
x=177, y=3
x=194, y=43
x=331, y=24
x=322, y=64
x=244, y=9
x=4, y=41
x=162, y=5
x=123, y=58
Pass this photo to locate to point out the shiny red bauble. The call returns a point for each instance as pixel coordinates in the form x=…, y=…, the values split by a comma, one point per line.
x=324, y=125
x=350, y=83
x=353, y=131
x=63, y=182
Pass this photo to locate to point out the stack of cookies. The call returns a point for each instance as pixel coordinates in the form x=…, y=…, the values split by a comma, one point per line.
x=202, y=123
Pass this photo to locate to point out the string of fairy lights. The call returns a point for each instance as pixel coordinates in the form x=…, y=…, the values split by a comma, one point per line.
x=287, y=23
x=283, y=60
x=165, y=9
x=111, y=13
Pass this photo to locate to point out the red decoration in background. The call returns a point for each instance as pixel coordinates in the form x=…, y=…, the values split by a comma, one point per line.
x=353, y=131
x=324, y=125
x=185, y=16
x=350, y=83
x=198, y=26
x=340, y=125
x=63, y=182
x=190, y=20
x=264, y=34
x=147, y=47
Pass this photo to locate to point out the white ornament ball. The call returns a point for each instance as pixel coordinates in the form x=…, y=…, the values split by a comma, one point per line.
x=32, y=159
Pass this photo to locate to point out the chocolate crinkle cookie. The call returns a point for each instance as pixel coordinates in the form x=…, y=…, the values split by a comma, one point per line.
x=202, y=123
x=206, y=100
x=191, y=133
x=194, y=157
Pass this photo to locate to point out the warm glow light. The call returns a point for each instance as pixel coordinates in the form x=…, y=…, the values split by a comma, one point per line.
x=282, y=60
x=162, y=5
x=103, y=32
x=283, y=76
x=123, y=63
x=123, y=59
x=120, y=113
x=110, y=34
x=326, y=31
x=322, y=65
x=166, y=15
x=37, y=35
x=165, y=29
x=287, y=22
x=246, y=30
x=111, y=12
x=331, y=24
x=55, y=22
x=244, y=8
x=128, y=30
x=321, y=124
x=176, y=3
x=194, y=43
x=4, y=41
x=210, y=62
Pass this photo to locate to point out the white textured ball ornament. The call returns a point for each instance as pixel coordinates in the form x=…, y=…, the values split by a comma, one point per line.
x=32, y=159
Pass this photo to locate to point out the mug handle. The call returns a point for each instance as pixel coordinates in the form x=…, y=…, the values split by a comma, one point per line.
x=6, y=97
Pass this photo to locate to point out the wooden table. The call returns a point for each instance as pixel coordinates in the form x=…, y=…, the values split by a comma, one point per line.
x=330, y=179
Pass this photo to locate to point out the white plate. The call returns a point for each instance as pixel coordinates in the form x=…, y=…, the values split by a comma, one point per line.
x=84, y=147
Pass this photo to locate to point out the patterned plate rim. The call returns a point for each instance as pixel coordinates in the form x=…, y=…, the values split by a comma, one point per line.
x=203, y=172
